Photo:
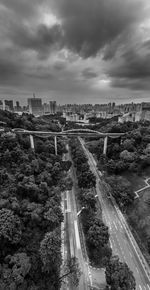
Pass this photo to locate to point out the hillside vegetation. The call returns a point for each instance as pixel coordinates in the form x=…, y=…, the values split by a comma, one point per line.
x=30, y=212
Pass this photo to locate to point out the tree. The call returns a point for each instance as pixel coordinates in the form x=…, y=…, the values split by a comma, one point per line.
x=50, y=251
x=53, y=216
x=128, y=144
x=71, y=271
x=111, y=166
x=20, y=264
x=98, y=235
x=10, y=227
x=121, y=190
x=88, y=199
x=86, y=179
x=84, y=167
x=66, y=165
x=119, y=276
x=14, y=272
x=66, y=183
x=127, y=156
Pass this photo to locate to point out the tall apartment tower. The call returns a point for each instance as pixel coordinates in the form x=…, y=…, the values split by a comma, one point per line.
x=35, y=106
x=9, y=103
x=53, y=107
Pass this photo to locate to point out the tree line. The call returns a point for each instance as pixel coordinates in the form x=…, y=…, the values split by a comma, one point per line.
x=118, y=274
x=30, y=209
x=130, y=153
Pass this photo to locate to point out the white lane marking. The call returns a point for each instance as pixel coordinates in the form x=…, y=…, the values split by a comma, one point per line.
x=140, y=287
x=72, y=252
x=77, y=235
x=115, y=225
x=137, y=270
x=110, y=244
x=130, y=254
x=68, y=210
x=120, y=224
x=90, y=277
x=148, y=286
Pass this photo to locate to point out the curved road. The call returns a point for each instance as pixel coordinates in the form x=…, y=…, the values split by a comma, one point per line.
x=122, y=241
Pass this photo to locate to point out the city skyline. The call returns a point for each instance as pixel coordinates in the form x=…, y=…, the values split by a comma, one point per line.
x=75, y=51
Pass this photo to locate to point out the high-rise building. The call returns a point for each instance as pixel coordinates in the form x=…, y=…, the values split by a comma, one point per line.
x=35, y=106
x=17, y=105
x=53, y=107
x=9, y=103
x=46, y=108
x=3, y=106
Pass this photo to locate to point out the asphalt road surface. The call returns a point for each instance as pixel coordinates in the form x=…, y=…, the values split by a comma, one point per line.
x=73, y=245
x=122, y=241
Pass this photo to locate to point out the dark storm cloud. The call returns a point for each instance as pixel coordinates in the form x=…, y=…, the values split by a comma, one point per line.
x=23, y=8
x=90, y=25
x=147, y=44
x=20, y=23
x=134, y=84
x=9, y=70
x=41, y=39
x=88, y=73
x=132, y=70
x=133, y=66
x=31, y=54
x=86, y=26
x=59, y=65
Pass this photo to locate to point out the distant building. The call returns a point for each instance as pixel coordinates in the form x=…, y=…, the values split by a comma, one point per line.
x=18, y=108
x=35, y=106
x=128, y=117
x=53, y=107
x=17, y=105
x=46, y=108
x=9, y=103
x=145, y=114
x=69, y=116
x=3, y=106
x=136, y=113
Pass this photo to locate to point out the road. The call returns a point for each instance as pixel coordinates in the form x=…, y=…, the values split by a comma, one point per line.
x=73, y=245
x=122, y=241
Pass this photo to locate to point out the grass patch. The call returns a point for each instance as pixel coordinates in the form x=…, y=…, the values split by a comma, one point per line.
x=138, y=216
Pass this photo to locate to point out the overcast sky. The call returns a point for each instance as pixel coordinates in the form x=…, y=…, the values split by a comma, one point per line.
x=75, y=51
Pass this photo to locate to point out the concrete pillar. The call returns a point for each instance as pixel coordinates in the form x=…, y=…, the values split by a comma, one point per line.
x=55, y=141
x=32, y=142
x=105, y=145
x=4, y=105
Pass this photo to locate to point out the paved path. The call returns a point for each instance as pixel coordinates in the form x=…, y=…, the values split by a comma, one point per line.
x=143, y=188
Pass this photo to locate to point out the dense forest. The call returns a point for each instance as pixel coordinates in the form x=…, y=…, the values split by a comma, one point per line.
x=30, y=212
x=130, y=153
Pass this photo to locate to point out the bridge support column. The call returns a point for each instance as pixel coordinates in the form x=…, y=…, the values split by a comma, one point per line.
x=55, y=141
x=4, y=105
x=105, y=145
x=32, y=142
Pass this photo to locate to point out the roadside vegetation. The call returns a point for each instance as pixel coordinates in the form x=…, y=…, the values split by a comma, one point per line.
x=118, y=275
x=30, y=211
x=125, y=168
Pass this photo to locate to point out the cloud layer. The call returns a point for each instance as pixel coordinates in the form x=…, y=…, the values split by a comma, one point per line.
x=74, y=47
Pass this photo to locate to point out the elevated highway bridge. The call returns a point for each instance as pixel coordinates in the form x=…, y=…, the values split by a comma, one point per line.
x=69, y=133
